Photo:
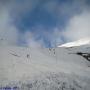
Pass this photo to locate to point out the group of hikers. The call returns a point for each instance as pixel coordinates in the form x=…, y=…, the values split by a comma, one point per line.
x=50, y=49
x=28, y=55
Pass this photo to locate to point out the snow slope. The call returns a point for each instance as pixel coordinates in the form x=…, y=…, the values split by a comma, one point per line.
x=44, y=68
x=84, y=41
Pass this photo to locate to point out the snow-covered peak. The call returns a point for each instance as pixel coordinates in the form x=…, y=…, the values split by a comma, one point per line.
x=84, y=41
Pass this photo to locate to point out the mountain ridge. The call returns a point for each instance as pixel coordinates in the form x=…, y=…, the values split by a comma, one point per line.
x=80, y=42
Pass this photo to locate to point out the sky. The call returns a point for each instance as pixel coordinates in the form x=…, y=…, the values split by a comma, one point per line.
x=43, y=23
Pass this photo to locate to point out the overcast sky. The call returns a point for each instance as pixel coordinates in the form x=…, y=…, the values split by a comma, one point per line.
x=43, y=23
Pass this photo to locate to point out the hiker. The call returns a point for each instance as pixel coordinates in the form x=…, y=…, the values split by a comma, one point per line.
x=50, y=49
x=28, y=56
x=54, y=50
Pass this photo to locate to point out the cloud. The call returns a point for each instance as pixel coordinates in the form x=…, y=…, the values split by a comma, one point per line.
x=47, y=39
x=8, y=32
x=78, y=27
x=72, y=21
x=76, y=16
x=67, y=8
x=31, y=41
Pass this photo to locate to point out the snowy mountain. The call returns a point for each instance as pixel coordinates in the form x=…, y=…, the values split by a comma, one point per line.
x=58, y=68
x=80, y=42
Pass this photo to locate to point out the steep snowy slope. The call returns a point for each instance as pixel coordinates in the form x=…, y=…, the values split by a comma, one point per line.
x=44, y=68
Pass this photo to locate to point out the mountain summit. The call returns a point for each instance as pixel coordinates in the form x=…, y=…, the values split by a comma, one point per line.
x=84, y=41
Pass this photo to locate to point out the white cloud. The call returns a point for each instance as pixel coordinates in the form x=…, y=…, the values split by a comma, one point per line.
x=54, y=38
x=8, y=31
x=31, y=42
x=78, y=27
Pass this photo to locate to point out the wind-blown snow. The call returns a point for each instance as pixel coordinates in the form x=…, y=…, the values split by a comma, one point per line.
x=44, y=68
